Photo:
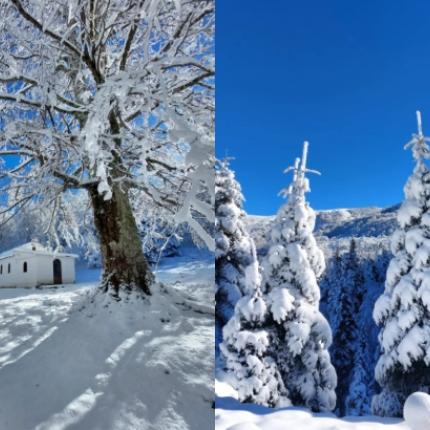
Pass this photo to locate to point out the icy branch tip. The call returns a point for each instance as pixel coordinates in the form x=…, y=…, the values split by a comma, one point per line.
x=294, y=168
x=305, y=155
x=419, y=122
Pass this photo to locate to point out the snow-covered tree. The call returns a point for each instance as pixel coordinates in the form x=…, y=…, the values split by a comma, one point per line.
x=160, y=234
x=346, y=336
x=330, y=286
x=107, y=97
x=362, y=273
x=234, y=252
x=72, y=228
x=357, y=400
x=291, y=271
x=403, y=310
x=246, y=347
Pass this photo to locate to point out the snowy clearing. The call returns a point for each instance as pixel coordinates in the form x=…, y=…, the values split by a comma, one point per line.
x=72, y=359
x=232, y=415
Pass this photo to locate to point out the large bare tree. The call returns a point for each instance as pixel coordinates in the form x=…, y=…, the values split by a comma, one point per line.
x=113, y=97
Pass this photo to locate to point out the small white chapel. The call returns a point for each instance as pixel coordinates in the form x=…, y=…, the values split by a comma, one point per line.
x=32, y=265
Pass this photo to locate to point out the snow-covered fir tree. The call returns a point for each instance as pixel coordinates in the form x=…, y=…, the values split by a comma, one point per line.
x=291, y=271
x=246, y=346
x=330, y=286
x=345, y=338
x=403, y=310
x=360, y=382
x=234, y=246
x=367, y=266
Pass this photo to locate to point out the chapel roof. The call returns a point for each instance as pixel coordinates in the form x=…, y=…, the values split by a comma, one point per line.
x=35, y=248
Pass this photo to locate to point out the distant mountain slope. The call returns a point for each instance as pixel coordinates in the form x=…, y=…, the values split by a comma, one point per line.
x=370, y=222
x=334, y=224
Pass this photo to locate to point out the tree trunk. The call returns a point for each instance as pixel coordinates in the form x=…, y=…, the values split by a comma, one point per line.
x=124, y=264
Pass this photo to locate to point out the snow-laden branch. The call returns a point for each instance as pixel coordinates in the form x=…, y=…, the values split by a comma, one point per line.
x=300, y=184
x=418, y=143
x=40, y=26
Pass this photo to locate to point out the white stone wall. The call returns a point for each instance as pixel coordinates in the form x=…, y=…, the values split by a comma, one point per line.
x=17, y=277
x=68, y=266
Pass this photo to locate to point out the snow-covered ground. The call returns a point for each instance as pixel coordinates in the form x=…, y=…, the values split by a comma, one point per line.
x=73, y=359
x=232, y=415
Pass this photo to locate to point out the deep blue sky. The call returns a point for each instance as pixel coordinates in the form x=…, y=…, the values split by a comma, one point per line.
x=346, y=75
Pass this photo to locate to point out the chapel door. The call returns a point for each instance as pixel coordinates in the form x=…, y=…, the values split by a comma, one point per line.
x=58, y=276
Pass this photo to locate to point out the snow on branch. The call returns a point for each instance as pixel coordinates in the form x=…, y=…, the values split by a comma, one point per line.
x=418, y=143
x=300, y=183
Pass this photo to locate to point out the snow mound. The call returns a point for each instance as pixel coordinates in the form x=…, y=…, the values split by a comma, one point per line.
x=417, y=411
x=233, y=415
x=244, y=426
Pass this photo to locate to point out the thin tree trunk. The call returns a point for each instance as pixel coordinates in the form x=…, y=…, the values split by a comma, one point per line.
x=124, y=264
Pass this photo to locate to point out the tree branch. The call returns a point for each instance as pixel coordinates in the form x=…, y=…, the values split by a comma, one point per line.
x=27, y=16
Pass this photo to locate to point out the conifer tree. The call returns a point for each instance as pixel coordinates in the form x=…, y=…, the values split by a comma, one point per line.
x=291, y=271
x=246, y=347
x=403, y=310
x=330, y=286
x=357, y=401
x=345, y=340
x=234, y=253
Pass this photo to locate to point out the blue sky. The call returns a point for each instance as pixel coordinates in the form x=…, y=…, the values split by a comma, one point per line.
x=346, y=75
